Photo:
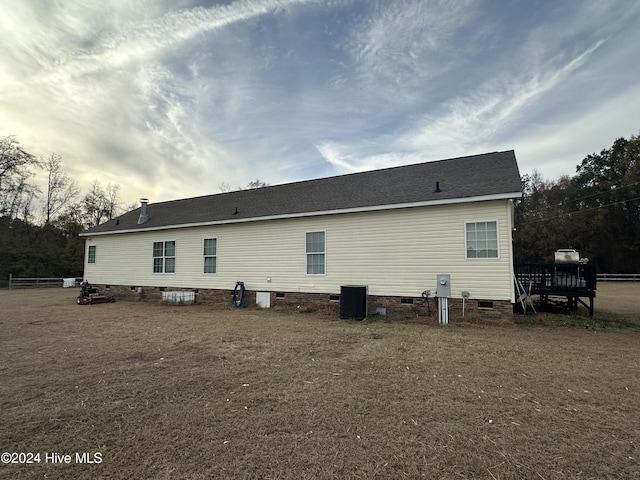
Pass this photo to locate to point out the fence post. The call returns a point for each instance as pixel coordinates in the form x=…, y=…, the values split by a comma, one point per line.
x=10, y=277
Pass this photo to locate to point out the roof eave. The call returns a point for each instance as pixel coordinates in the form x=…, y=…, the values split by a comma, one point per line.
x=373, y=208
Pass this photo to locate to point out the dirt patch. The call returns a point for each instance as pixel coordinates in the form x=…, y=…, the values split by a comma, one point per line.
x=198, y=392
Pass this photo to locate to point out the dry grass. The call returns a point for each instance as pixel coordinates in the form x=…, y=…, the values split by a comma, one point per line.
x=197, y=392
x=621, y=298
x=617, y=306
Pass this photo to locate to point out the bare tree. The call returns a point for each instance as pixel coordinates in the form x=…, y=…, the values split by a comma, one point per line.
x=61, y=189
x=257, y=183
x=16, y=199
x=16, y=193
x=12, y=157
x=100, y=204
x=113, y=204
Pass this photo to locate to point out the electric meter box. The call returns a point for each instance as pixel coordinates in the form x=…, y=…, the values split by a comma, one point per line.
x=443, y=285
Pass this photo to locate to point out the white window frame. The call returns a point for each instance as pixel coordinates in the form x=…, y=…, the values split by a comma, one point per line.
x=91, y=258
x=323, y=253
x=205, y=256
x=164, y=257
x=466, y=244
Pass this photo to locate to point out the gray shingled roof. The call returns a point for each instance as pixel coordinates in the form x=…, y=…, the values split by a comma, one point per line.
x=486, y=175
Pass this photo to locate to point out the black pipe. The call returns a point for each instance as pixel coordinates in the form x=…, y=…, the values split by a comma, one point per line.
x=238, y=295
x=425, y=295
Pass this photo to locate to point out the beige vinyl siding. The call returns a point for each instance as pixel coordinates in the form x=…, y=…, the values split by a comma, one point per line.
x=394, y=252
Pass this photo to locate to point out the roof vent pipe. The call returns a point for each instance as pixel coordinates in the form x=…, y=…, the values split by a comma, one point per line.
x=437, y=190
x=143, y=211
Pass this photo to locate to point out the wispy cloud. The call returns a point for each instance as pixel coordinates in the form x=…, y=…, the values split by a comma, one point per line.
x=136, y=40
x=122, y=82
x=469, y=121
x=492, y=108
x=400, y=46
x=171, y=102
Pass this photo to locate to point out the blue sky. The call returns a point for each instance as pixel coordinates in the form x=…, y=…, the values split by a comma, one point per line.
x=171, y=99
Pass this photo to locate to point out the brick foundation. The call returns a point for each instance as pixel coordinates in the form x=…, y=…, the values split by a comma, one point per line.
x=331, y=302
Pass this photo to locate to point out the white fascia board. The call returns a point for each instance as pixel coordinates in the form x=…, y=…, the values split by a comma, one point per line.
x=373, y=208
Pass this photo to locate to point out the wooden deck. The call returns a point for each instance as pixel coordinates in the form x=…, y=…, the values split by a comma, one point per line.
x=555, y=282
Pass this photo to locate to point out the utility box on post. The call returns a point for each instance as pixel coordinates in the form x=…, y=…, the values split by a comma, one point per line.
x=443, y=292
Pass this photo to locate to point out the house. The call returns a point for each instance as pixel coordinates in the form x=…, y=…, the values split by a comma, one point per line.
x=392, y=230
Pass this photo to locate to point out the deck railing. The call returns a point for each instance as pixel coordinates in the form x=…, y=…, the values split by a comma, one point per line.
x=571, y=281
x=557, y=276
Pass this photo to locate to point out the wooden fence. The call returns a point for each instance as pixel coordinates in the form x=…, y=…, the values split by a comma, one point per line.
x=43, y=282
x=618, y=277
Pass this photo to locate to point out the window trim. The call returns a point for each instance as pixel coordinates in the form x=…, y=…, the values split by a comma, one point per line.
x=164, y=257
x=466, y=249
x=204, y=256
x=323, y=253
x=91, y=258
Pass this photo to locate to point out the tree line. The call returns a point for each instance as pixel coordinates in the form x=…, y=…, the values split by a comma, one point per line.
x=39, y=230
x=596, y=211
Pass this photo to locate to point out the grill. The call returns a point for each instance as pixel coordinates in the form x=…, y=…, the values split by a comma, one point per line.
x=566, y=255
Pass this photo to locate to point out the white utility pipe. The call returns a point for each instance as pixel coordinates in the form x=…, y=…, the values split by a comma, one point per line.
x=443, y=310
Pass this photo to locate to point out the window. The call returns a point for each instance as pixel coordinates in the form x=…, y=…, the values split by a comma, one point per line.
x=315, y=253
x=91, y=257
x=164, y=257
x=482, y=239
x=210, y=247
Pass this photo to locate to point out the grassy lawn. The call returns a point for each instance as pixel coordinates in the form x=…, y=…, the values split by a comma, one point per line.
x=199, y=392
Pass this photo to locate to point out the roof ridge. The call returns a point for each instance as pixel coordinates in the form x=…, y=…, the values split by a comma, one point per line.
x=332, y=177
